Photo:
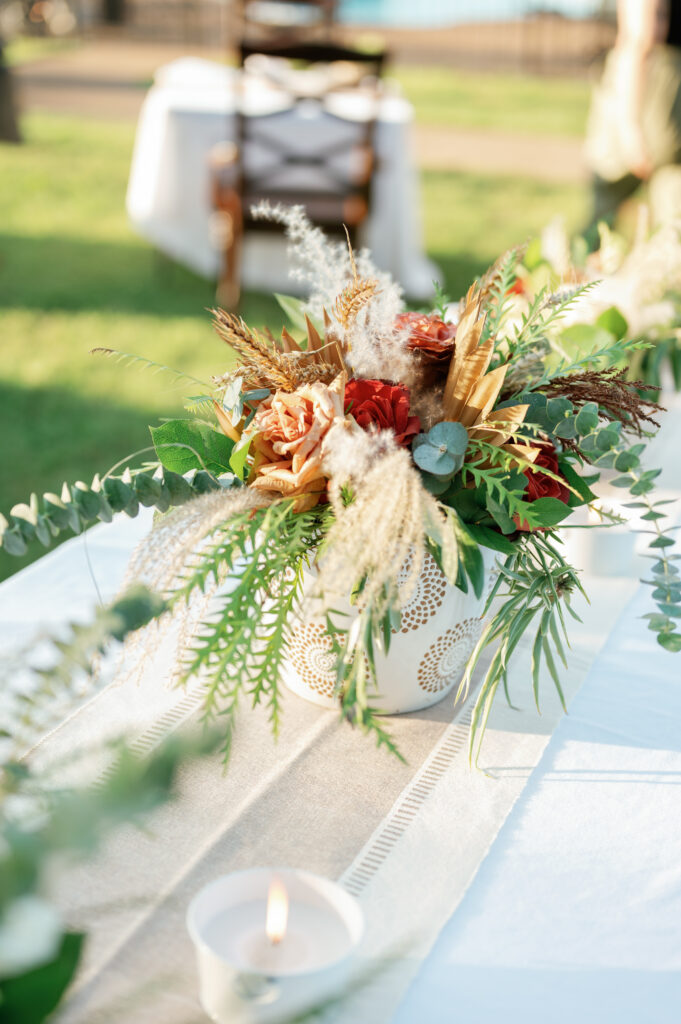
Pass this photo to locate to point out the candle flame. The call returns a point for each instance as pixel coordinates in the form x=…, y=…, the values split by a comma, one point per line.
x=277, y=912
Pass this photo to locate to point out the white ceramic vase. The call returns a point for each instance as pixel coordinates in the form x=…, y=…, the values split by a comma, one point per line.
x=439, y=628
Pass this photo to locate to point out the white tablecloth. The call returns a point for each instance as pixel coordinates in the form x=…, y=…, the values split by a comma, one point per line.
x=581, y=888
x=575, y=914
x=190, y=108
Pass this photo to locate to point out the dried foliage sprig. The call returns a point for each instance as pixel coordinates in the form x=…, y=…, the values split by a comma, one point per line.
x=617, y=397
x=267, y=364
x=264, y=364
x=356, y=296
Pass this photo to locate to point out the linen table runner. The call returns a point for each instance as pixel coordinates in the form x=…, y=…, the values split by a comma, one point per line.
x=406, y=839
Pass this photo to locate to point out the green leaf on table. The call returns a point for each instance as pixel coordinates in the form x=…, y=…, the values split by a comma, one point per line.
x=31, y=997
x=182, y=445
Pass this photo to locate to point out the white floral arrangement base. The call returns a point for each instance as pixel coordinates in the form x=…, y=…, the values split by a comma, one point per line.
x=439, y=628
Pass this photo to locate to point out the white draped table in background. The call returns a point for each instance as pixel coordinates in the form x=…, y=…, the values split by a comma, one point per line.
x=190, y=108
x=554, y=900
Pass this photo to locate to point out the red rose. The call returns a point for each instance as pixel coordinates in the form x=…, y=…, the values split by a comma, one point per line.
x=540, y=485
x=383, y=404
x=430, y=336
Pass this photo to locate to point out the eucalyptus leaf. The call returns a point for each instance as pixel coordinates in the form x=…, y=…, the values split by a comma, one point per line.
x=453, y=435
x=587, y=418
x=433, y=460
x=670, y=641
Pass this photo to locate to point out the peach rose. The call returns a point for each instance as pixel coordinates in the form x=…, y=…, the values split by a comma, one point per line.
x=290, y=428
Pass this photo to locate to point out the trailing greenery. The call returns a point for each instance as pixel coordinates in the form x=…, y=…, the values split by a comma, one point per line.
x=61, y=683
x=534, y=585
x=240, y=649
x=42, y=827
x=80, y=504
x=666, y=580
x=355, y=646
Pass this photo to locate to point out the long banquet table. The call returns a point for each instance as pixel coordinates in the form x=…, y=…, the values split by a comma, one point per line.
x=546, y=887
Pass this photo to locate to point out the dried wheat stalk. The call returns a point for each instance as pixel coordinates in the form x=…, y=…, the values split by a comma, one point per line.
x=270, y=366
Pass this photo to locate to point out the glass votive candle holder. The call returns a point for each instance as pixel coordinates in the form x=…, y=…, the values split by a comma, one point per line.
x=272, y=944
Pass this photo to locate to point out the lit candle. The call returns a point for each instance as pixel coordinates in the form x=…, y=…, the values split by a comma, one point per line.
x=272, y=944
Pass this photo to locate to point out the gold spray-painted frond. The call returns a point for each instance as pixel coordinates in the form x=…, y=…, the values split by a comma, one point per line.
x=472, y=390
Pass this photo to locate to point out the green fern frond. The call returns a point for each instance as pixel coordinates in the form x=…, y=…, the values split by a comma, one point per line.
x=129, y=359
x=503, y=275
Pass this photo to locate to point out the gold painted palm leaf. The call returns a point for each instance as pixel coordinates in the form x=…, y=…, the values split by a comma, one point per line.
x=472, y=389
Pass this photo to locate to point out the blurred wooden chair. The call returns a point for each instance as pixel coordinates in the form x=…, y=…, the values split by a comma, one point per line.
x=332, y=182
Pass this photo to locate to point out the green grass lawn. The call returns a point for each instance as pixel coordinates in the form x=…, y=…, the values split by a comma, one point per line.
x=23, y=49
x=74, y=276
x=527, y=104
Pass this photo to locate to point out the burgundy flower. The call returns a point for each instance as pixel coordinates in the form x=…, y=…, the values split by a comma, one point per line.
x=430, y=336
x=385, y=405
x=540, y=485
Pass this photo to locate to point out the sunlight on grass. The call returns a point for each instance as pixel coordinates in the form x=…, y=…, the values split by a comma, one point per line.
x=527, y=104
x=471, y=219
x=29, y=48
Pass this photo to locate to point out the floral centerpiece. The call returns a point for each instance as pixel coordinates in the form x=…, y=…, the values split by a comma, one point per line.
x=361, y=442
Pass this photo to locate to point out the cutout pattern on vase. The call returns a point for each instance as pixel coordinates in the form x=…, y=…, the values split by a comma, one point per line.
x=427, y=596
x=444, y=661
